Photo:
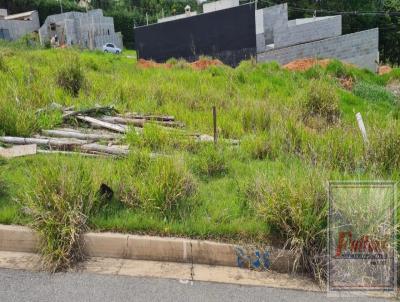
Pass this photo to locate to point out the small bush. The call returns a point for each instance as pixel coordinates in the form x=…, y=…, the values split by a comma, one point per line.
x=296, y=208
x=164, y=186
x=373, y=92
x=210, y=161
x=257, y=147
x=322, y=101
x=59, y=201
x=384, y=150
x=3, y=65
x=71, y=77
x=256, y=117
x=340, y=70
x=153, y=137
x=3, y=184
x=16, y=119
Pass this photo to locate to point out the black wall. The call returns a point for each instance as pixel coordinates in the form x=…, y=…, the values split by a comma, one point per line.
x=229, y=35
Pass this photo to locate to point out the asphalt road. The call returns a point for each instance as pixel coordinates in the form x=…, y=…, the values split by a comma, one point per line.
x=75, y=287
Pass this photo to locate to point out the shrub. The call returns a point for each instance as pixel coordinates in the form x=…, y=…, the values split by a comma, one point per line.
x=59, y=200
x=3, y=65
x=3, y=184
x=71, y=77
x=384, y=150
x=210, y=161
x=322, y=101
x=373, y=92
x=153, y=137
x=296, y=208
x=16, y=119
x=340, y=70
x=257, y=147
x=162, y=186
x=256, y=117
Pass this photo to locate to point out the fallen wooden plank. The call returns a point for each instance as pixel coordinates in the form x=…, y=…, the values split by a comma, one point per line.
x=17, y=151
x=164, y=118
x=42, y=141
x=72, y=153
x=90, y=111
x=99, y=123
x=124, y=121
x=115, y=150
x=79, y=135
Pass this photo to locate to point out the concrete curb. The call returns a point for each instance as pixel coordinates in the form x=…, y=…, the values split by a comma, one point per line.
x=125, y=246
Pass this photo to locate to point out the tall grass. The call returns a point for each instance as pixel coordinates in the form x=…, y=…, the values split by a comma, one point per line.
x=59, y=203
x=296, y=208
x=285, y=121
x=162, y=186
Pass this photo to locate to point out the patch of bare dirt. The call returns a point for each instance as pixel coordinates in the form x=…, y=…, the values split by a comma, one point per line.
x=151, y=64
x=306, y=64
x=205, y=63
x=384, y=69
x=200, y=64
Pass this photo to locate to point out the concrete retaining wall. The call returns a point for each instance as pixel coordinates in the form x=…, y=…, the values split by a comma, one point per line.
x=307, y=30
x=359, y=48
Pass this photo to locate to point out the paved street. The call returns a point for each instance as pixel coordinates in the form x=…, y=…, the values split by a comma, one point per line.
x=16, y=285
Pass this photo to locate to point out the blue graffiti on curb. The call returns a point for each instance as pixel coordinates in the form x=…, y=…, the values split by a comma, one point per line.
x=253, y=259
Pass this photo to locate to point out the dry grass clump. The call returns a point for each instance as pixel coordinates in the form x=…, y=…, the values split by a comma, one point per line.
x=322, y=102
x=59, y=203
x=296, y=208
x=384, y=151
x=161, y=186
x=71, y=77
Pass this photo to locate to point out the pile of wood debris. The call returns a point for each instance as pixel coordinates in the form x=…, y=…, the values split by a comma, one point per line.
x=97, y=131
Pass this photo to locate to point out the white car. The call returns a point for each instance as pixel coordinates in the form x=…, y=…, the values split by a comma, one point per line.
x=109, y=47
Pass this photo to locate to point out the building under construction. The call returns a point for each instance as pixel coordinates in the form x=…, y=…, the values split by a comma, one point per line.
x=232, y=32
x=88, y=30
x=13, y=27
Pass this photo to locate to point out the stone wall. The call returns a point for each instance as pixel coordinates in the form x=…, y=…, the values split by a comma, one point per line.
x=361, y=48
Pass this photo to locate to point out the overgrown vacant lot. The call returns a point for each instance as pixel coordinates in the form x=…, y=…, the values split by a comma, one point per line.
x=296, y=131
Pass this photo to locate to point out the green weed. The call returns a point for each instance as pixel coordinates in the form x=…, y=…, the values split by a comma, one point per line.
x=59, y=202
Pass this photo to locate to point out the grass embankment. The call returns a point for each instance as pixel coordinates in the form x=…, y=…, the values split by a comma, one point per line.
x=297, y=131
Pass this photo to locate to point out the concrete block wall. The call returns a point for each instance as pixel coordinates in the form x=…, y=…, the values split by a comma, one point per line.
x=91, y=29
x=275, y=17
x=260, y=38
x=3, y=13
x=307, y=30
x=19, y=28
x=218, y=5
x=361, y=48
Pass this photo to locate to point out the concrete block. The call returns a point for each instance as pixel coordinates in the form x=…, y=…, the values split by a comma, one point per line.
x=207, y=252
x=18, y=239
x=17, y=151
x=158, y=249
x=111, y=245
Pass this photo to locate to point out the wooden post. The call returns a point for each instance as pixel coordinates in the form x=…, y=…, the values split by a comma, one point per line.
x=215, y=124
